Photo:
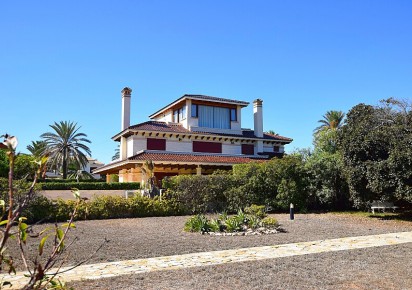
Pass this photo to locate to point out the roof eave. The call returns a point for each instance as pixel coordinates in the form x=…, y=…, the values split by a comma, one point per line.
x=186, y=97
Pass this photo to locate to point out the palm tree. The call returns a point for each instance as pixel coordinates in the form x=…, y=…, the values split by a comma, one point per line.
x=331, y=120
x=66, y=144
x=271, y=132
x=37, y=148
x=116, y=153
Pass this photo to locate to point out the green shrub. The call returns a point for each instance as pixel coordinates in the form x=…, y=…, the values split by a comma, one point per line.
x=101, y=207
x=199, y=193
x=197, y=223
x=253, y=222
x=232, y=224
x=40, y=208
x=68, y=180
x=216, y=226
x=256, y=210
x=89, y=185
x=269, y=222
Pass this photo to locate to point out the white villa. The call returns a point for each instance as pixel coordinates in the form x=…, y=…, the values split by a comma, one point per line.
x=194, y=134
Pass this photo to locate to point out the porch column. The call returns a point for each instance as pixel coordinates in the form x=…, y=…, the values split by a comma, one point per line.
x=199, y=170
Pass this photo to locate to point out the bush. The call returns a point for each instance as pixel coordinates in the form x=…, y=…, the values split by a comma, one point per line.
x=89, y=185
x=256, y=210
x=20, y=186
x=269, y=222
x=101, y=207
x=197, y=223
x=199, y=193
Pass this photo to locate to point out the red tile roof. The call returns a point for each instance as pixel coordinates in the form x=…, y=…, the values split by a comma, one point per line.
x=160, y=127
x=157, y=126
x=192, y=158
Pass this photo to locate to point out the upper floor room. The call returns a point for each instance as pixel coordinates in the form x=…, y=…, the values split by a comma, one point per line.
x=203, y=113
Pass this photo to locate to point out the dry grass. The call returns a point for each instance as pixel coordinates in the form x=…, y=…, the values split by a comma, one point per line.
x=379, y=268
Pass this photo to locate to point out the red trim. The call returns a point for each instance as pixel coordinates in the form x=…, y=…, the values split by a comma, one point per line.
x=248, y=149
x=207, y=147
x=156, y=144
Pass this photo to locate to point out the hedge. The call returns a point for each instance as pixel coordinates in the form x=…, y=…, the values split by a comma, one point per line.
x=68, y=180
x=89, y=185
x=101, y=207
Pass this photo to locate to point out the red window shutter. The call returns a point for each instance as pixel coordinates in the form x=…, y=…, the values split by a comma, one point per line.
x=207, y=147
x=248, y=149
x=156, y=144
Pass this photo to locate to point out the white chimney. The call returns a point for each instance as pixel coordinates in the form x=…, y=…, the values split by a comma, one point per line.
x=126, y=95
x=258, y=123
x=258, y=117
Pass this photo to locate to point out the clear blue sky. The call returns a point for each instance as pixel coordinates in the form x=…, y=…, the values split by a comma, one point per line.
x=69, y=60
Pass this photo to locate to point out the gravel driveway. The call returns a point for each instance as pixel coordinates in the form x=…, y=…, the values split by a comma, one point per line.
x=379, y=268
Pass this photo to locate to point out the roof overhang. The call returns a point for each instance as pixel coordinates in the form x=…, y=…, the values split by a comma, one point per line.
x=199, y=98
x=197, y=135
x=114, y=167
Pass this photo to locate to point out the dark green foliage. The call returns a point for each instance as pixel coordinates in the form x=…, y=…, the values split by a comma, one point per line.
x=200, y=193
x=4, y=164
x=377, y=152
x=24, y=166
x=89, y=185
x=328, y=183
x=275, y=183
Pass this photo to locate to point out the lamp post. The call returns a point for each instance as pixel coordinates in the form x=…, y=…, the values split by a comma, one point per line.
x=292, y=212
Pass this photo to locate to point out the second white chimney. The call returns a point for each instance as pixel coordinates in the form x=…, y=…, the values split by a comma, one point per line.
x=126, y=96
x=258, y=117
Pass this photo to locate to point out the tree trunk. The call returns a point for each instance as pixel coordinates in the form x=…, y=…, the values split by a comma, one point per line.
x=65, y=163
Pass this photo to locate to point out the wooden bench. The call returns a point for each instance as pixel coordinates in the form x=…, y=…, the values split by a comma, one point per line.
x=382, y=205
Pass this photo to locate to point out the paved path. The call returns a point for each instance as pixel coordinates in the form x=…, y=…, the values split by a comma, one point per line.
x=104, y=270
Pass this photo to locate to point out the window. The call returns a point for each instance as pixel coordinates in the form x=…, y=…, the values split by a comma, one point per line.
x=194, y=111
x=156, y=144
x=207, y=147
x=176, y=116
x=183, y=109
x=248, y=149
x=276, y=149
x=233, y=115
x=179, y=114
x=214, y=117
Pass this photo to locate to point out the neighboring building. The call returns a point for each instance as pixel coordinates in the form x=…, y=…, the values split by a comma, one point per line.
x=195, y=134
x=91, y=165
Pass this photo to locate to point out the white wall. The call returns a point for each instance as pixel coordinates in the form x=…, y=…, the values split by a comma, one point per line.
x=231, y=149
x=166, y=117
x=135, y=144
x=237, y=125
x=178, y=146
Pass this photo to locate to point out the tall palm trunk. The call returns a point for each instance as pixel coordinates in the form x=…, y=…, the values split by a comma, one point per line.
x=65, y=163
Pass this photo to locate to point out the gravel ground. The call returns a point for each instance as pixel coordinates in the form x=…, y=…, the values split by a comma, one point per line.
x=380, y=268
